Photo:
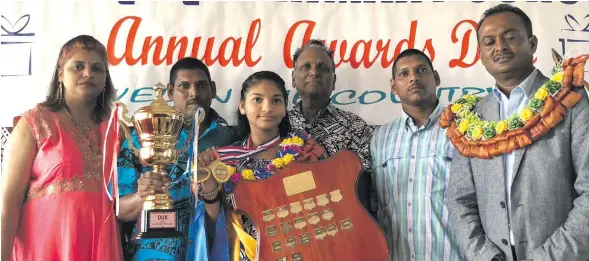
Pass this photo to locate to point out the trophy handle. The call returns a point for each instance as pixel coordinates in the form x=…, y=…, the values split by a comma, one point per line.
x=124, y=113
x=123, y=123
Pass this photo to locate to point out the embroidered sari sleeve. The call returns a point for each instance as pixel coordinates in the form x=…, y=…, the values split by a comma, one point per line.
x=41, y=123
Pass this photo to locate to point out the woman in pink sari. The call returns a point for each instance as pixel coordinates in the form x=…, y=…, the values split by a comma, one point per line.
x=54, y=200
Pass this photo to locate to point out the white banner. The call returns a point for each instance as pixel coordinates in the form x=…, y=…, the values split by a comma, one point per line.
x=144, y=39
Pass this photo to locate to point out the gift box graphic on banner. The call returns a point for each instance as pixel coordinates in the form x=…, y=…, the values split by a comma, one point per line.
x=16, y=41
x=575, y=25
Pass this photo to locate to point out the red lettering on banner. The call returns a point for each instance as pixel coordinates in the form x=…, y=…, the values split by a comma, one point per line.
x=460, y=62
x=361, y=51
x=230, y=45
x=464, y=50
x=286, y=55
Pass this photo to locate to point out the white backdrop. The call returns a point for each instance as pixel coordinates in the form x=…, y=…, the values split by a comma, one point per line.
x=239, y=38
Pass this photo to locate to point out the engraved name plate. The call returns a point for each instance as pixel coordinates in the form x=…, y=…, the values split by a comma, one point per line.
x=267, y=215
x=332, y=229
x=336, y=196
x=346, y=224
x=322, y=200
x=299, y=222
x=299, y=183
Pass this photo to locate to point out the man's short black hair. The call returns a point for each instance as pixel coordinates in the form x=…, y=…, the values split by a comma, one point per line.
x=504, y=8
x=411, y=52
x=314, y=43
x=188, y=63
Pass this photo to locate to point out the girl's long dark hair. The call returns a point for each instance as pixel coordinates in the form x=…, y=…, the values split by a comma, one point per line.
x=243, y=126
x=102, y=110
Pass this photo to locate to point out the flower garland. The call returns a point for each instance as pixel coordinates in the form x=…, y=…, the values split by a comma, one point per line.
x=290, y=149
x=478, y=138
x=475, y=128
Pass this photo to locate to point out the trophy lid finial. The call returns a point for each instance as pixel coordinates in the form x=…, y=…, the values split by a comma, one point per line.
x=159, y=99
x=159, y=89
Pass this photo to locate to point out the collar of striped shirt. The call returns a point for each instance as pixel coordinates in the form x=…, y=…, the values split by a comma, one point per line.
x=431, y=120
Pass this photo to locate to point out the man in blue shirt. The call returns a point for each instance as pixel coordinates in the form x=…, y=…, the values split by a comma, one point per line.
x=411, y=159
x=190, y=85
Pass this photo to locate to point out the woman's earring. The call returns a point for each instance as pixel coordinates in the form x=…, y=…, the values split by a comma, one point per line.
x=60, y=92
x=103, y=96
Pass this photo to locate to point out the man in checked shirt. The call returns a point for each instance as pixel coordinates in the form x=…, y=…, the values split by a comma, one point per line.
x=335, y=129
x=411, y=159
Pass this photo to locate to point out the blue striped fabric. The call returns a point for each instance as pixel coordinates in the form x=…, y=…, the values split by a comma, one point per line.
x=410, y=169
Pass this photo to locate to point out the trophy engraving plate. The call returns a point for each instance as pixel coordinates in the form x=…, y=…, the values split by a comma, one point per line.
x=267, y=215
x=305, y=238
x=276, y=246
x=309, y=204
x=346, y=224
x=322, y=200
x=271, y=230
x=295, y=207
x=285, y=227
x=299, y=183
x=326, y=214
x=282, y=212
x=299, y=222
x=291, y=242
x=313, y=218
x=336, y=196
x=320, y=233
x=296, y=257
x=162, y=220
x=332, y=229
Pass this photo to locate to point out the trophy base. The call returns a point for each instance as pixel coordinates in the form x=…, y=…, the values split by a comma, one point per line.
x=157, y=223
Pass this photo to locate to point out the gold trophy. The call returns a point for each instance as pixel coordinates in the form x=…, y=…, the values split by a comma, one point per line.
x=158, y=127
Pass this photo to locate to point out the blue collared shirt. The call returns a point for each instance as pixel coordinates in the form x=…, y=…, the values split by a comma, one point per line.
x=507, y=106
x=410, y=169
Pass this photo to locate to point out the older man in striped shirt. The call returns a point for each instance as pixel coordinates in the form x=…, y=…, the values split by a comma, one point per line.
x=411, y=159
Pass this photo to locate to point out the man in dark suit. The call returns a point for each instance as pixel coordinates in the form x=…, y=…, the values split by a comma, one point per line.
x=533, y=202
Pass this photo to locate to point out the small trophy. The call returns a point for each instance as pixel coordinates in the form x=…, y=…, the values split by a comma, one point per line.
x=158, y=127
x=219, y=170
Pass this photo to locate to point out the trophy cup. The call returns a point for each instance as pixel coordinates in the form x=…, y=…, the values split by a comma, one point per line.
x=158, y=127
